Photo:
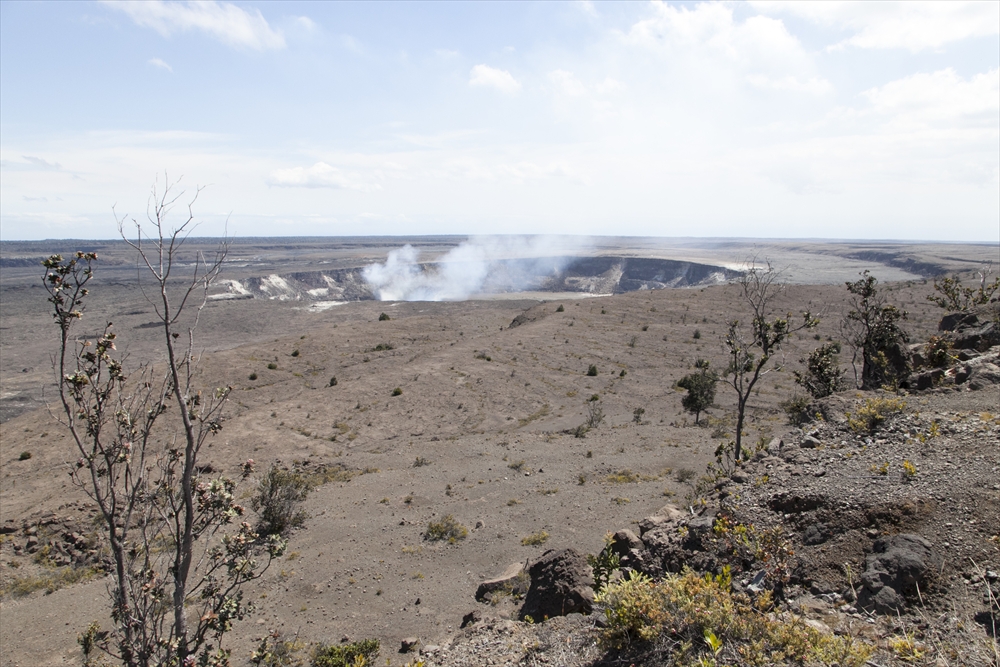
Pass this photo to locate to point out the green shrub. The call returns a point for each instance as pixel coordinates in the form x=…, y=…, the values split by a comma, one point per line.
x=697, y=334
x=272, y=366
x=823, y=374
x=346, y=655
x=24, y=456
x=637, y=415
x=295, y=353
x=797, y=409
x=700, y=388
x=333, y=382
x=398, y=391
x=420, y=461
x=592, y=371
x=560, y=309
x=277, y=499
x=446, y=529
x=698, y=620
x=383, y=318
x=604, y=564
x=873, y=413
x=253, y=376
x=938, y=352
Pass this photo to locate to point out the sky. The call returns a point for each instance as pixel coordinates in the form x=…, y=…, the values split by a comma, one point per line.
x=852, y=120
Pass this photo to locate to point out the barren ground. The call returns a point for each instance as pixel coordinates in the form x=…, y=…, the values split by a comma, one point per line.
x=491, y=434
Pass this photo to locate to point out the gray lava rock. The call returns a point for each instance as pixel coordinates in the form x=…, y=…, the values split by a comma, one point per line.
x=513, y=581
x=897, y=566
x=624, y=541
x=815, y=534
x=561, y=583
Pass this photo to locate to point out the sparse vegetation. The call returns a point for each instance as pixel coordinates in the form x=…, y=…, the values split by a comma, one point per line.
x=823, y=375
x=560, y=309
x=398, y=391
x=873, y=413
x=253, y=376
x=871, y=328
x=749, y=356
x=383, y=317
x=797, y=409
x=448, y=528
x=420, y=461
x=953, y=297
x=353, y=654
x=24, y=456
x=170, y=606
x=333, y=382
x=535, y=539
x=277, y=500
x=701, y=389
x=592, y=371
x=272, y=366
x=700, y=620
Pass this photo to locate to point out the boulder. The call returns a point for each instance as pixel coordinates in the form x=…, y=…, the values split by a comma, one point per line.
x=668, y=514
x=897, y=567
x=513, y=581
x=561, y=583
x=624, y=541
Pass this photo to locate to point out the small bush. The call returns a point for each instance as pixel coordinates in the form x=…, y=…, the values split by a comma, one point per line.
x=604, y=564
x=595, y=414
x=397, y=391
x=275, y=651
x=277, y=499
x=295, y=353
x=701, y=620
x=516, y=465
x=346, y=655
x=333, y=382
x=253, y=376
x=24, y=456
x=420, y=462
x=272, y=366
x=592, y=371
x=382, y=347
x=867, y=419
x=637, y=415
x=938, y=352
x=697, y=334
x=560, y=309
x=446, y=529
x=823, y=374
x=383, y=317
x=535, y=539
x=797, y=409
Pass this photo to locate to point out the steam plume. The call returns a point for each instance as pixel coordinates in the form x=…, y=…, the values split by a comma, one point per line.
x=482, y=264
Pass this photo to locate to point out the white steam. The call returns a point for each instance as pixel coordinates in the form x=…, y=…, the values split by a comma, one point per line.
x=488, y=264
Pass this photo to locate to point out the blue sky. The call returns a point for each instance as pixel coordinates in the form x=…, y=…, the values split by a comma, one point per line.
x=830, y=120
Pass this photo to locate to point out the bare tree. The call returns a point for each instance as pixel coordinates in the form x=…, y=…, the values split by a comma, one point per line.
x=750, y=352
x=176, y=581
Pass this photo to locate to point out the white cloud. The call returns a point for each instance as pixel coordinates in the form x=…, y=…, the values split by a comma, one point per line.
x=708, y=41
x=915, y=26
x=501, y=79
x=41, y=163
x=320, y=175
x=567, y=83
x=940, y=98
x=224, y=21
x=812, y=85
x=156, y=62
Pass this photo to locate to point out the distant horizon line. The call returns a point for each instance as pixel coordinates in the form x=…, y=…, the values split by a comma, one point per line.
x=399, y=237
